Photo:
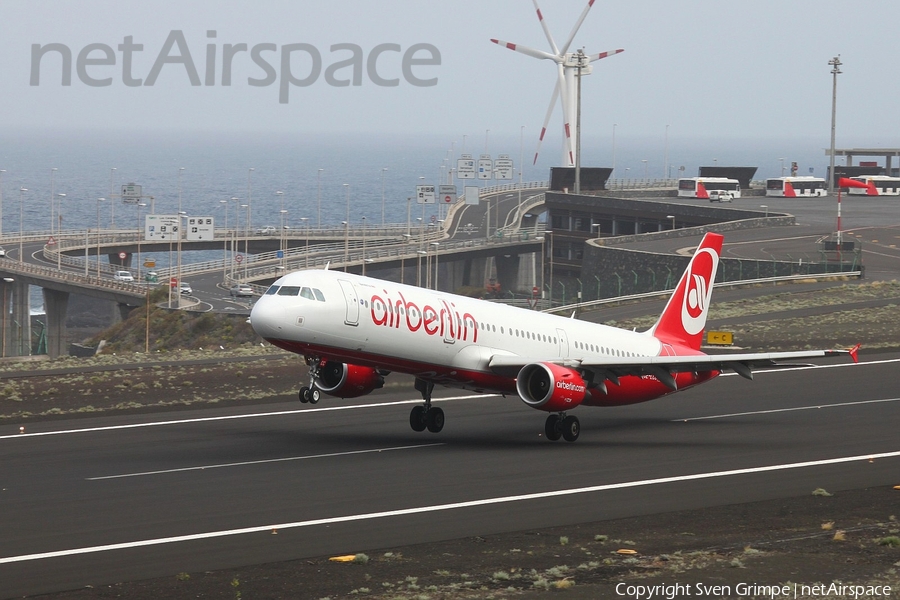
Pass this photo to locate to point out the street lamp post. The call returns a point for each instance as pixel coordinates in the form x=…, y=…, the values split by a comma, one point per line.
x=99, y=200
x=59, y=232
x=139, y=205
x=673, y=220
x=364, y=246
x=764, y=206
x=305, y=220
x=346, y=225
x=319, y=199
x=21, y=230
x=6, y=282
x=112, y=200
x=347, y=191
x=281, y=212
x=835, y=71
x=249, y=197
x=52, y=172
x=2, y=171
x=180, y=235
x=781, y=158
x=383, y=171
x=435, y=244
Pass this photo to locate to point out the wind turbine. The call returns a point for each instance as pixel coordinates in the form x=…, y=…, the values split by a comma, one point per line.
x=570, y=65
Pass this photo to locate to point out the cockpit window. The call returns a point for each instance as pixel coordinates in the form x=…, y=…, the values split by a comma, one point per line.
x=319, y=295
x=272, y=290
x=289, y=290
x=307, y=293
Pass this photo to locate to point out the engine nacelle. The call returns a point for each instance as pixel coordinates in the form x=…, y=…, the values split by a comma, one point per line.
x=550, y=387
x=347, y=381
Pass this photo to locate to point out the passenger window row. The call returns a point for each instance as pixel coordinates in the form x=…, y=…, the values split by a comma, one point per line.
x=604, y=350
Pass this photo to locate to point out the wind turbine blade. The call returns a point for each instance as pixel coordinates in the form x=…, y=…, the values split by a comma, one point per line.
x=546, y=29
x=564, y=94
x=526, y=50
x=578, y=23
x=546, y=122
x=593, y=57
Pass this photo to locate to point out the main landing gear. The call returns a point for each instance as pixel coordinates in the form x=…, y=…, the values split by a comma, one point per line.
x=427, y=416
x=562, y=426
x=311, y=393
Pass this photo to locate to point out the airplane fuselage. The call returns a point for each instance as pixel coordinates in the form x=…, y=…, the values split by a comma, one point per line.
x=443, y=338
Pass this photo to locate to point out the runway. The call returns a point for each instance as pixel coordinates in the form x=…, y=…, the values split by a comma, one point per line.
x=91, y=501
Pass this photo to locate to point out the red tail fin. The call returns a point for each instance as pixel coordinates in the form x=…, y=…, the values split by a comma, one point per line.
x=683, y=319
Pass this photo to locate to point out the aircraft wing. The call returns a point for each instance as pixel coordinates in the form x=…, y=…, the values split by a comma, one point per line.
x=662, y=367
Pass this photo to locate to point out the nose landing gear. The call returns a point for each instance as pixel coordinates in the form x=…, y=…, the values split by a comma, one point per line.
x=311, y=393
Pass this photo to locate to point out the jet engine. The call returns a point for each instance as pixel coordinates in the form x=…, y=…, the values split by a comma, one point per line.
x=550, y=387
x=347, y=381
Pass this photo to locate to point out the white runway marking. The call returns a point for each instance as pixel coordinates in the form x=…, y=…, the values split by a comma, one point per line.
x=234, y=417
x=439, y=507
x=262, y=462
x=780, y=410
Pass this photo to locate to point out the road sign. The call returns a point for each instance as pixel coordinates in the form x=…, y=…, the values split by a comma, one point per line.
x=131, y=193
x=122, y=255
x=720, y=338
x=448, y=194
x=535, y=291
x=149, y=263
x=425, y=194
x=465, y=167
x=485, y=167
x=471, y=194
x=239, y=259
x=173, y=282
x=51, y=241
x=503, y=167
x=161, y=228
x=200, y=228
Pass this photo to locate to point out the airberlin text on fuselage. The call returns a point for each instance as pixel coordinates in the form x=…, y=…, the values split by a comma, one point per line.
x=444, y=321
x=572, y=387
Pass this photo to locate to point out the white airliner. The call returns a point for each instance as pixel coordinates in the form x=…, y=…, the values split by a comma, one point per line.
x=354, y=330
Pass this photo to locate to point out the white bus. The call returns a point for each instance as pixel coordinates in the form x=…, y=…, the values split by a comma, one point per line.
x=881, y=184
x=709, y=188
x=793, y=187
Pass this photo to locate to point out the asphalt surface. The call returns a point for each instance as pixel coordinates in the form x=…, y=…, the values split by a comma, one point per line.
x=124, y=498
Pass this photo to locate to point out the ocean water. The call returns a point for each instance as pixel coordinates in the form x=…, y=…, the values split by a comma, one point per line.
x=216, y=166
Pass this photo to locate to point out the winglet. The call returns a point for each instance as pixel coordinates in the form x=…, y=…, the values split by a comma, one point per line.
x=854, y=353
x=683, y=319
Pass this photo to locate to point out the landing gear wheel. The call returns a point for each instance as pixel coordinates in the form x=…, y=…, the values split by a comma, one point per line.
x=434, y=419
x=417, y=418
x=314, y=395
x=552, y=428
x=304, y=394
x=571, y=427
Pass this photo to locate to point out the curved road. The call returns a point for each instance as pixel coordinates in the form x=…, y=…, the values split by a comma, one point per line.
x=94, y=501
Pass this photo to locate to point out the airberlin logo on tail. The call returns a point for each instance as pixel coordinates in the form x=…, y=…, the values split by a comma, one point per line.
x=698, y=290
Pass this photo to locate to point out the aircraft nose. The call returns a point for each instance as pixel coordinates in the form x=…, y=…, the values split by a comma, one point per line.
x=266, y=319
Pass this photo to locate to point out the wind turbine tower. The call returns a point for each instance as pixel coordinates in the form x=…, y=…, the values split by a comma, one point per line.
x=569, y=65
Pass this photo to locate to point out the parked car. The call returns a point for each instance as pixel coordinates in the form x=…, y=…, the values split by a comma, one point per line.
x=2, y=252
x=124, y=276
x=720, y=196
x=151, y=277
x=241, y=290
x=267, y=230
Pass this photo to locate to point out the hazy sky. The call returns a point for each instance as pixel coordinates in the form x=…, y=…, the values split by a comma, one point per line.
x=703, y=67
